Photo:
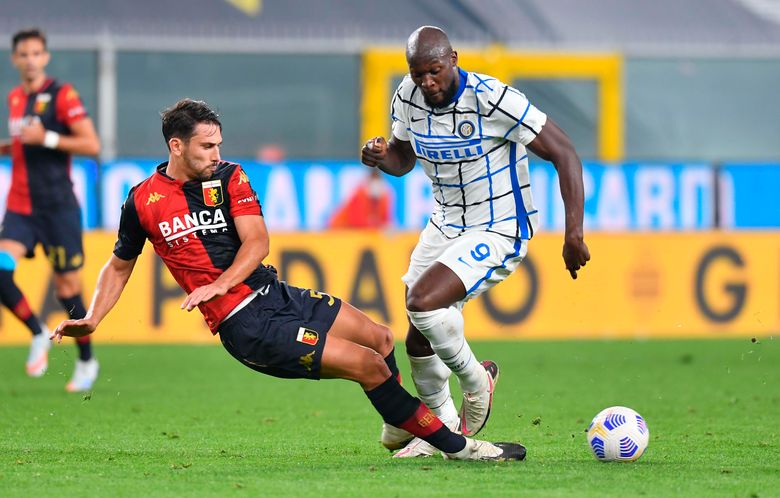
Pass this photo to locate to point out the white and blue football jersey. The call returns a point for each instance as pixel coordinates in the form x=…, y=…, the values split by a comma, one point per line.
x=474, y=153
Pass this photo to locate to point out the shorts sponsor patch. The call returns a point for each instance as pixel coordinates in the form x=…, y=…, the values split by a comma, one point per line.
x=307, y=336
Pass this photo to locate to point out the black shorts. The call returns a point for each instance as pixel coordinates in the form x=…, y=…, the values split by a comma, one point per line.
x=282, y=332
x=58, y=230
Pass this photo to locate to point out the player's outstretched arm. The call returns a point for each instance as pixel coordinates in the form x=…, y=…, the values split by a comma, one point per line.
x=394, y=158
x=111, y=282
x=553, y=145
x=254, y=248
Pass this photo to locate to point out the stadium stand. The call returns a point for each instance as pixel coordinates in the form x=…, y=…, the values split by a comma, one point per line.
x=603, y=24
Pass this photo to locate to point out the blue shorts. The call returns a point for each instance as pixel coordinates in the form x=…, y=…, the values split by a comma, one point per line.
x=59, y=231
x=281, y=332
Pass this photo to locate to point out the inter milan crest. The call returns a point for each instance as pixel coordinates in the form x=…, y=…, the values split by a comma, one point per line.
x=466, y=129
x=212, y=193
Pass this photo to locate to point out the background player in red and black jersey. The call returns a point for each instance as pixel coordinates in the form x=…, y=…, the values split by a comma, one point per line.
x=47, y=123
x=205, y=222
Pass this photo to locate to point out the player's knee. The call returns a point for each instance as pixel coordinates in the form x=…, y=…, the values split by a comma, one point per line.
x=374, y=370
x=67, y=285
x=418, y=301
x=386, y=340
x=418, y=345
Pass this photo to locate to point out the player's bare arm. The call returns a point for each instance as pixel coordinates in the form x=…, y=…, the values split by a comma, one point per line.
x=395, y=157
x=110, y=284
x=254, y=248
x=83, y=139
x=553, y=145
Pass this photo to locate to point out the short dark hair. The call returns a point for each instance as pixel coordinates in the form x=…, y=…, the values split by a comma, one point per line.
x=180, y=120
x=26, y=34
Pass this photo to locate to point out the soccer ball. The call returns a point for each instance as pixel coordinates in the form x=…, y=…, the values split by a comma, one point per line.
x=618, y=434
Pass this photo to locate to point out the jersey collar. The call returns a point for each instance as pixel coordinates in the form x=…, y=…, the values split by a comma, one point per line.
x=462, y=75
x=161, y=171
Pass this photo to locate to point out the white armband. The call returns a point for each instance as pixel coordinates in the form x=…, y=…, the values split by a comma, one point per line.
x=51, y=139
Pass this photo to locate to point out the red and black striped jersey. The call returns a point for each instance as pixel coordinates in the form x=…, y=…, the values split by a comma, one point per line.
x=191, y=227
x=40, y=177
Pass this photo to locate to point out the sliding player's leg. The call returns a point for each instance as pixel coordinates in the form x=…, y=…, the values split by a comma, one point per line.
x=348, y=360
x=353, y=325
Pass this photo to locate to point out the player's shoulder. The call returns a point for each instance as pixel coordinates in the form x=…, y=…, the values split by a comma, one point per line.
x=483, y=84
x=16, y=91
x=65, y=91
x=406, y=88
x=226, y=169
x=156, y=182
x=141, y=187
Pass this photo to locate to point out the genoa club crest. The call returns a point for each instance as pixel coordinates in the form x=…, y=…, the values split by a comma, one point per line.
x=307, y=336
x=41, y=103
x=212, y=193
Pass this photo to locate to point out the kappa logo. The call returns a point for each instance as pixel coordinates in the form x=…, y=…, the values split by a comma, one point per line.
x=242, y=178
x=154, y=197
x=72, y=94
x=307, y=360
x=212, y=193
x=307, y=336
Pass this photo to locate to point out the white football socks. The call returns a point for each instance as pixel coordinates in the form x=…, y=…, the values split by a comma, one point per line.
x=431, y=377
x=444, y=330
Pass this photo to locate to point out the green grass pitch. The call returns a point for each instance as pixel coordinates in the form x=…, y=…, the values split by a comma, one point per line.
x=191, y=421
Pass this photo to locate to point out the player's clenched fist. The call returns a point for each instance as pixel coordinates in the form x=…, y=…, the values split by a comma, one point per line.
x=374, y=152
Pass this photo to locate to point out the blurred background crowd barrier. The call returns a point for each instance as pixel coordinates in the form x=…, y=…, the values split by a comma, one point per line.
x=672, y=106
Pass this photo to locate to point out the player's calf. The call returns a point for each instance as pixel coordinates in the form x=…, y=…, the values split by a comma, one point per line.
x=400, y=409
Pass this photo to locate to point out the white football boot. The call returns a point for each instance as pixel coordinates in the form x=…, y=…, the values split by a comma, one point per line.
x=394, y=438
x=38, y=359
x=483, y=450
x=475, y=409
x=420, y=448
x=84, y=376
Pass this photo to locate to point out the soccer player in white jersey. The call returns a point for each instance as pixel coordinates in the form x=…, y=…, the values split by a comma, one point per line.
x=469, y=132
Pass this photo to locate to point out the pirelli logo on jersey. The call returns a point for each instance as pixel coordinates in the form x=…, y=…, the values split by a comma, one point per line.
x=447, y=149
x=212, y=193
x=180, y=227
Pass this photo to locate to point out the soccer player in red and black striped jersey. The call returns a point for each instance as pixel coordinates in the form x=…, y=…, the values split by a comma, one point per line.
x=205, y=222
x=47, y=124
